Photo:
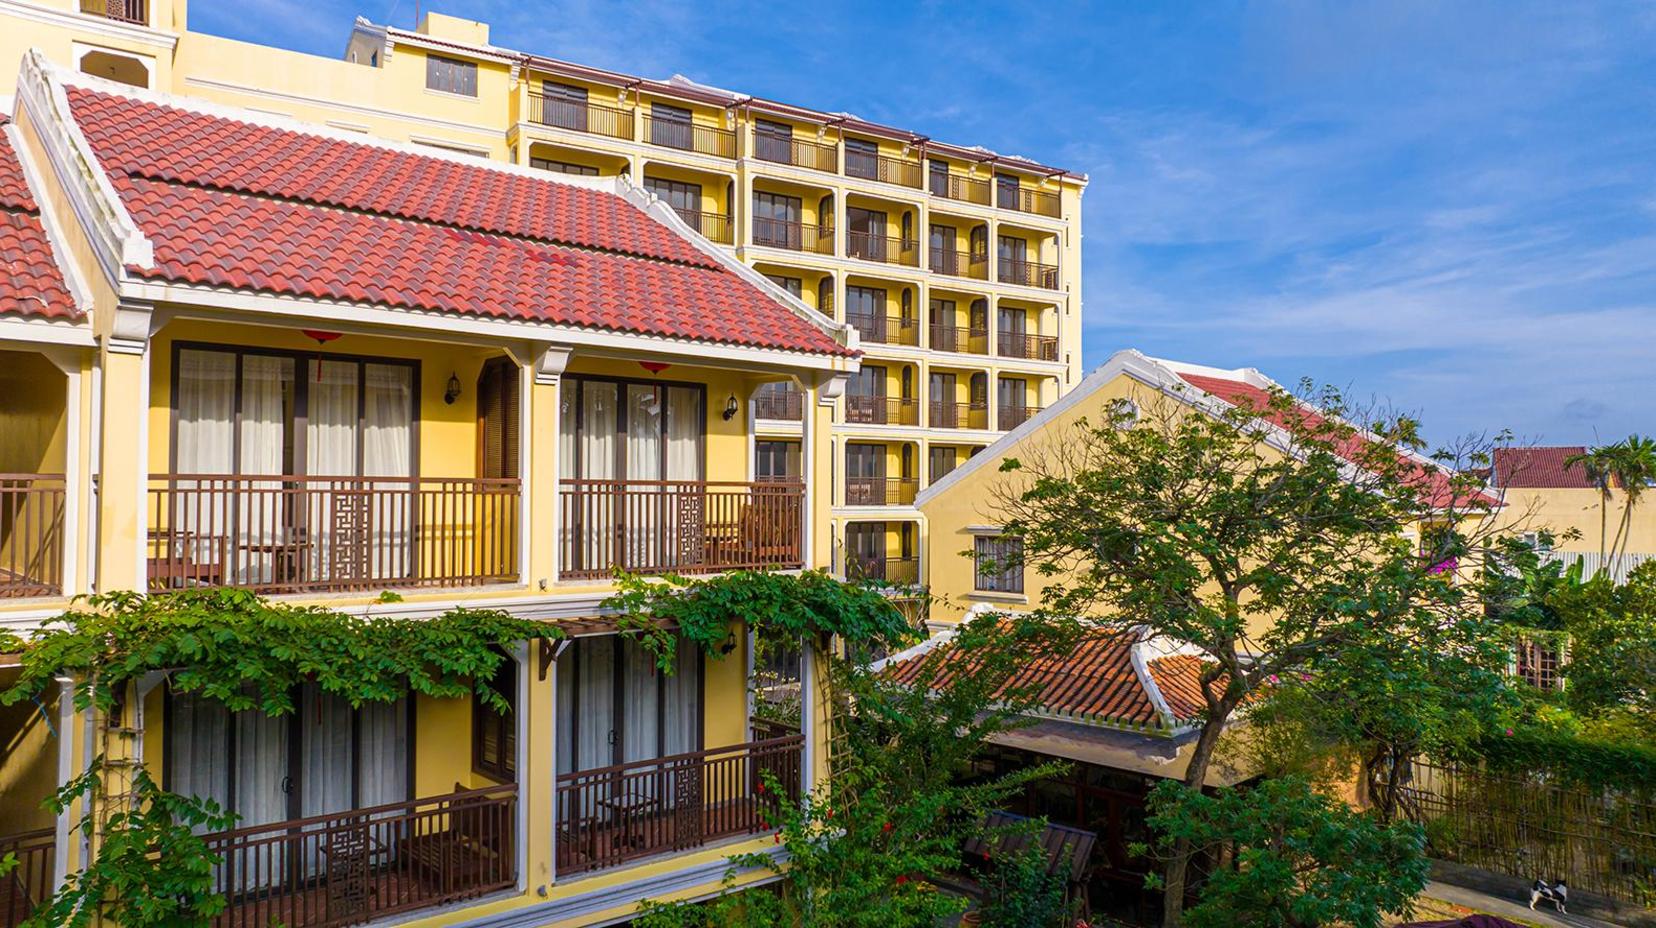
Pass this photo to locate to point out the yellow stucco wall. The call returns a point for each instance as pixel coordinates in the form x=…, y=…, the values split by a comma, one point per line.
x=1564, y=511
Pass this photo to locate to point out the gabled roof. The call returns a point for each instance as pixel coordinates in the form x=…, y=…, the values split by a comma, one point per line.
x=1197, y=386
x=234, y=200
x=1112, y=678
x=1541, y=468
x=31, y=282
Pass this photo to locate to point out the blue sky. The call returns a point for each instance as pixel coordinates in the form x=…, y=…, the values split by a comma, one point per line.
x=1450, y=207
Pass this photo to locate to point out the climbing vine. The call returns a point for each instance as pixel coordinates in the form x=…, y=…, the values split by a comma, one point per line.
x=785, y=606
x=229, y=645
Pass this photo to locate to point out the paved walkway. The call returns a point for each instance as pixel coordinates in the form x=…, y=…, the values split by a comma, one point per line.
x=1511, y=908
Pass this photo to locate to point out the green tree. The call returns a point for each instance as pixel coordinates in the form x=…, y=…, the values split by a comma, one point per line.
x=1598, y=464
x=1633, y=462
x=900, y=800
x=1302, y=859
x=1612, y=666
x=1271, y=537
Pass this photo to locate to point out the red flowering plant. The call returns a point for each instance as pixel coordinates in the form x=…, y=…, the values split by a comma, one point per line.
x=900, y=799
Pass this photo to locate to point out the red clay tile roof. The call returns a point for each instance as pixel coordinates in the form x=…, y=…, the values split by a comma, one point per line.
x=1095, y=682
x=1436, y=487
x=31, y=283
x=1540, y=468
x=235, y=204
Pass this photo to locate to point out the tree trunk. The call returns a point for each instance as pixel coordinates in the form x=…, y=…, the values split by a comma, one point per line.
x=1175, y=875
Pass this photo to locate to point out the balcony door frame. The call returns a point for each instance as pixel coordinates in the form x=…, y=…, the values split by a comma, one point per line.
x=619, y=707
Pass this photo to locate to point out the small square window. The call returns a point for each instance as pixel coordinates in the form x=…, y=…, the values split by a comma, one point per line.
x=998, y=564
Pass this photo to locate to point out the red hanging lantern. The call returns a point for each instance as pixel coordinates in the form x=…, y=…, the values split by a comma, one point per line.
x=322, y=338
x=654, y=367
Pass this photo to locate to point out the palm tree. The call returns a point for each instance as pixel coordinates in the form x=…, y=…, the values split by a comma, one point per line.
x=1633, y=464
x=1598, y=464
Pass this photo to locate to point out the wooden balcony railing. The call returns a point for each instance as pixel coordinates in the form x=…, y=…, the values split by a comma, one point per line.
x=882, y=248
x=351, y=868
x=1010, y=417
x=898, y=571
x=31, y=535
x=959, y=264
x=611, y=815
x=958, y=416
x=29, y=884
x=880, y=491
x=881, y=410
x=686, y=136
x=1025, y=200
x=126, y=11
x=1028, y=347
x=291, y=534
x=899, y=171
x=797, y=152
x=715, y=226
x=960, y=187
x=954, y=338
x=794, y=236
x=591, y=118
x=886, y=330
x=678, y=526
x=1028, y=273
x=785, y=405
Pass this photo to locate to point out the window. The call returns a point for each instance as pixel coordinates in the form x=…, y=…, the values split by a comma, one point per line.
x=632, y=430
x=451, y=75
x=865, y=302
x=793, y=285
x=939, y=171
x=563, y=167
x=670, y=126
x=776, y=220
x=566, y=105
x=1006, y=191
x=776, y=460
x=773, y=141
x=615, y=707
x=942, y=461
x=861, y=158
x=494, y=733
x=999, y=564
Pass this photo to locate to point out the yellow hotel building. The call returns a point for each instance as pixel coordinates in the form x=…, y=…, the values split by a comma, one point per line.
x=960, y=268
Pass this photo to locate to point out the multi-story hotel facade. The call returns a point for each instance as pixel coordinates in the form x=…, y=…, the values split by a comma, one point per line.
x=960, y=267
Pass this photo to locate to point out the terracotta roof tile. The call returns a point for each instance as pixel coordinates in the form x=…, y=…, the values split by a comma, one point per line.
x=31, y=283
x=244, y=206
x=1540, y=468
x=1094, y=682
x=1436, y=487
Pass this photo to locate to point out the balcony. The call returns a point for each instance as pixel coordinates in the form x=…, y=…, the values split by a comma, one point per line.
x=958, y=416
x=30, y=883
x=1025, y=200
x=959, y=340
x=356, y=867
x=716, y=227
x=882, y=248
x=1027, y=273
x=783, y=405
x=793, y=236
x=897, y=571
x=678, y=526
x=881, y=410
x=31, y=535
x=960, y=187
x=880, y=491
x=1010, y=417
x=798, y=152
x=611, y=815
x=959, y=264
x=900, y=171
x=688, y=136
x=126, y=11
x=1027, y=347
x=590, y=118
x=291, y=534
x=886, y=330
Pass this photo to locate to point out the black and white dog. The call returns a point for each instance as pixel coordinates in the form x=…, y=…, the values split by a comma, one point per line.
x=1556, y=893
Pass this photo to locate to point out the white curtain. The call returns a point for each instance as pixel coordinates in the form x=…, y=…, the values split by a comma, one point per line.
x=681, y=716
x=206, y=406
x=595, y=701
x=266, y=408
x=387, y=522
x=384, y=752
x=599, y=512
x=261, y=766
x=325, y=771
x=640, y=686
x=330, y=451
x=564, y=734
x=198, y=749
x=642, y=511
x=684, y=434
